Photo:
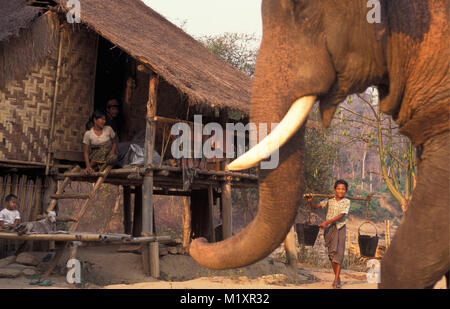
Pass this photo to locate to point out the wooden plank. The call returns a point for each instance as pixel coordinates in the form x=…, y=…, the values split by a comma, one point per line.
x=75, y=156
x=69, y=196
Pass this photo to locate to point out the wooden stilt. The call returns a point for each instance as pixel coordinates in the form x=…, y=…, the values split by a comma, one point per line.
x=149, y=256
x=154, y=259
x=137, y=213
x=211, y=214
x=186, y=222
x=227, y=211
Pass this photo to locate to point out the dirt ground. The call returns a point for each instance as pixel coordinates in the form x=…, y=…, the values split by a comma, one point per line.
x=104, y=267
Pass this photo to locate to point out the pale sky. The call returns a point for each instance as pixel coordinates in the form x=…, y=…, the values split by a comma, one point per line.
x=212, y=17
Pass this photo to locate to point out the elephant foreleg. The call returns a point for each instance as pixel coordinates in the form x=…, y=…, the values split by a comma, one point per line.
x=419, y=254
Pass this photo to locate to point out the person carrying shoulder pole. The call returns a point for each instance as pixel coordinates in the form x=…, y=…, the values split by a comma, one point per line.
x=334, y=226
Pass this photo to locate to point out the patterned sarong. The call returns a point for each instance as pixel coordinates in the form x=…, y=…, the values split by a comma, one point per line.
x=102, y=156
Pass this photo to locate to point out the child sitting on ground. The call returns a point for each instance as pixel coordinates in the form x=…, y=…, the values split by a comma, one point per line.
x=9, y=216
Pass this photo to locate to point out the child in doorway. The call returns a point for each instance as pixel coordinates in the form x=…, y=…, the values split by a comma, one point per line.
x=334, y=227
x=9, y=216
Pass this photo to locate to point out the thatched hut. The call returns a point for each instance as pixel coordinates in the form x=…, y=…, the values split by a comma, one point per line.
x=54, y=74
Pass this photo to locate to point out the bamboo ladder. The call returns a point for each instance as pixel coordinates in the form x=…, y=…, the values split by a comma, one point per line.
x=59, y=195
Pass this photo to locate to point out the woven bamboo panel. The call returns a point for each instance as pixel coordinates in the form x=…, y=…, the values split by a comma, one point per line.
x=25, y=114
x=76, y=90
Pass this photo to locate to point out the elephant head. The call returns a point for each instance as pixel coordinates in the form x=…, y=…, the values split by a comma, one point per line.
x=323, y=51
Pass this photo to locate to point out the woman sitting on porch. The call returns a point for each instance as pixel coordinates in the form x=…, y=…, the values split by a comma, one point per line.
x=100, y=143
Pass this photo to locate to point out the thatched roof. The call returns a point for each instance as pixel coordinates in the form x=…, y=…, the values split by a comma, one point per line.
x=181, y=60
x=15, y=15
x=22, y=46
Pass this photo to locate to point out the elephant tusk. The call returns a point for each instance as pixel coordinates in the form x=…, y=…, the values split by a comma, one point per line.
x=290, y=124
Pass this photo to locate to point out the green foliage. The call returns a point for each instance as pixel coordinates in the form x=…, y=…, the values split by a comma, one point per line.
x=320, y=153
x=234, y=48
x=359, y=208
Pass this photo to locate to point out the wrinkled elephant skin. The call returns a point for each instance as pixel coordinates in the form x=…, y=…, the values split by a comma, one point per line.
x=328, y=49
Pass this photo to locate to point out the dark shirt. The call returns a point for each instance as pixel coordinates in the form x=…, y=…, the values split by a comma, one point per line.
x=113, y=123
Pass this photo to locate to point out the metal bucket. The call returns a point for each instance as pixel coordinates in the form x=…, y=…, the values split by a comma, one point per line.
x=306, y=233
x=368, y=244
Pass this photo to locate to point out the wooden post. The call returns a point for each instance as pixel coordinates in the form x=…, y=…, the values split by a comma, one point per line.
x=147, y=188
x=137, y=214
x=154, y=259
x=291, y=250
x=51, y=132
x=227, y=211
x=186, y=222
x=211, y=213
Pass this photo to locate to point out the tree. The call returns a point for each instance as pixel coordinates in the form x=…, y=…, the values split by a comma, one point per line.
x=238, y=49
x=376, y=131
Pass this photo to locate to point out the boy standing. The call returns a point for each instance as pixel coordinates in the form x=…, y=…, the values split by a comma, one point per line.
x=334, y=227
x=9, y=216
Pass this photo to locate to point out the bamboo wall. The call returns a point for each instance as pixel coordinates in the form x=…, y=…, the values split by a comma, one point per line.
x=25, y=103
x=76, y=90
x=29, y=192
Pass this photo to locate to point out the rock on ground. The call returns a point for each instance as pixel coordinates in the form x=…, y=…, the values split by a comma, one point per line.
x=6, y=261
x=26, y=258
x=9, y=273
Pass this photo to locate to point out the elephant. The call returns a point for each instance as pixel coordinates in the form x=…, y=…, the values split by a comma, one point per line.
x=322, y=51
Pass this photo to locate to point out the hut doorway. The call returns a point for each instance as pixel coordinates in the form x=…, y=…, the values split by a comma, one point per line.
x=110, y=74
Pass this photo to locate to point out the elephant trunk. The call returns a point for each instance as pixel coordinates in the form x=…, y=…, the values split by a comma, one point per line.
x=280, y=191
